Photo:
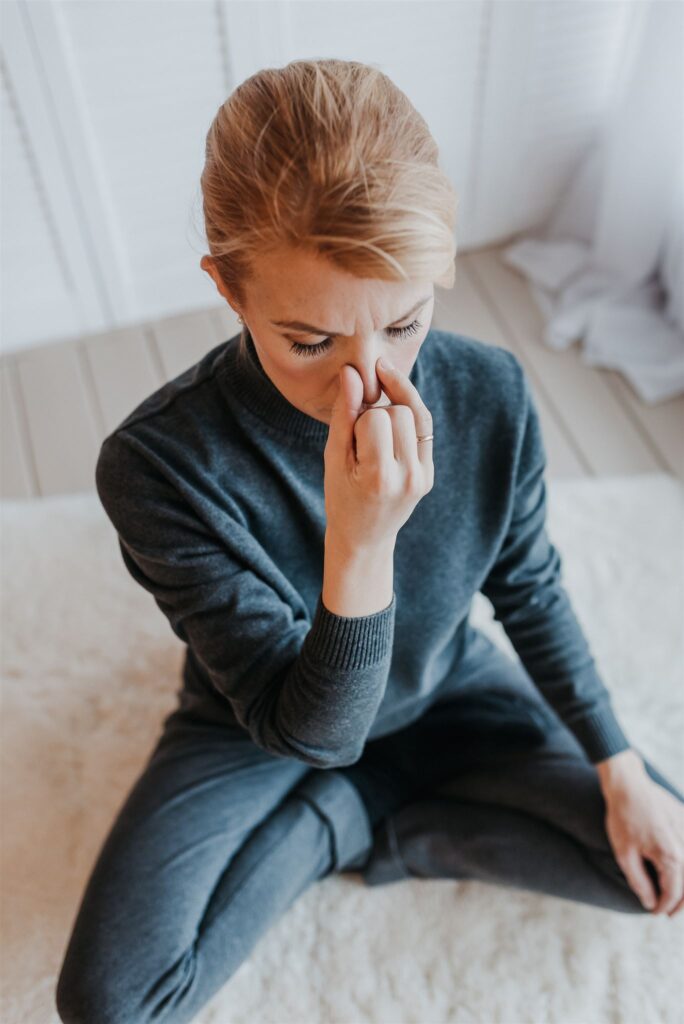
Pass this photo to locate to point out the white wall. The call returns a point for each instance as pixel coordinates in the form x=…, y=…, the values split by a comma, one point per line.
x=106, y=104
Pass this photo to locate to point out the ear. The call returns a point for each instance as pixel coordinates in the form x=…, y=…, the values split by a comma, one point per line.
x=207, y=264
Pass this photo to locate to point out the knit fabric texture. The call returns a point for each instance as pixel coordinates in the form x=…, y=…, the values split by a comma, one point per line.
x=215, y=486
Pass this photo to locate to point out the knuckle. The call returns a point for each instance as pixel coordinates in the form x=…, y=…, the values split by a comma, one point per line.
x=366, y=419
x=381, y=480
x=661, y=850
x=414, y=480
x=403, y=413
x=668, y=857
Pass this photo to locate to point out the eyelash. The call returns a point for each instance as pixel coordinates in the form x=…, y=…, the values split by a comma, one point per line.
x=312, y=350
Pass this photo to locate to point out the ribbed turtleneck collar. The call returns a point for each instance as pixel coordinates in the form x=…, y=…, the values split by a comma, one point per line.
x=247, y=381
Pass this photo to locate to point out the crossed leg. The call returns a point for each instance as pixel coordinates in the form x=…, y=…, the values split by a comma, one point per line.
x=508, y=806
x=216, y=839
x=532, y=821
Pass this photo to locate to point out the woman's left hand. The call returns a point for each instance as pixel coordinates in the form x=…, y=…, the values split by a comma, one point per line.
x=643, y=819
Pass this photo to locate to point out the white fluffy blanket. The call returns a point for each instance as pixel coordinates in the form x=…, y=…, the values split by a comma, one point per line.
x=90, y=666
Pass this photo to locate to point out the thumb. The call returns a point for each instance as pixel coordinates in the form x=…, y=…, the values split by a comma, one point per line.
x=346, y=408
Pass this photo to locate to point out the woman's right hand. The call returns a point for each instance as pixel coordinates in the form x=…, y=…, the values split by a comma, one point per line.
x=375, y=470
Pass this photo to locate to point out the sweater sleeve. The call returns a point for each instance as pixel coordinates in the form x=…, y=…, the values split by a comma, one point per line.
x=302, y=689
x=526, y=590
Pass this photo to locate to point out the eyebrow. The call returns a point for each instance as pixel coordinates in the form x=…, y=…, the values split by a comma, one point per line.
x=297, y=325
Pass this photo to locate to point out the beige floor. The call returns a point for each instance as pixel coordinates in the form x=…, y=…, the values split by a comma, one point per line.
x=60, y=400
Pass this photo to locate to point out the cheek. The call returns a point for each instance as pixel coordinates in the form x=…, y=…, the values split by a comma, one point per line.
x=406, y=355
x=307, y=376
x=295, y=371
x=307, y=381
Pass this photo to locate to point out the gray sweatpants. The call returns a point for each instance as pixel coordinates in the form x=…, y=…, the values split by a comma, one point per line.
x=217, y=838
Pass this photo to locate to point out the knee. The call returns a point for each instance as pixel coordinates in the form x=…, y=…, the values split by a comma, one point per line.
x=83, y=999
x=82, y=1002
x=89, y=993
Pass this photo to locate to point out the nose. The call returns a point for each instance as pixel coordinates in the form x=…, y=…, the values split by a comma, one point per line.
x=363, y=358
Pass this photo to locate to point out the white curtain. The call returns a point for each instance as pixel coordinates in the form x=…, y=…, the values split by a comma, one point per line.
x=608, y=266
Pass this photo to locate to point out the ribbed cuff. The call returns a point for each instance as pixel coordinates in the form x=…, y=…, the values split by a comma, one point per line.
x=600, y=734
x=349, y=642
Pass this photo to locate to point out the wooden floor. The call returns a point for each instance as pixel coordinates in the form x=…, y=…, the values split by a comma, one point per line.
x=60, y=400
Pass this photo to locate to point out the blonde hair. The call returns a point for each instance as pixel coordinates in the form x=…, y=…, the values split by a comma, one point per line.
x=329, y=155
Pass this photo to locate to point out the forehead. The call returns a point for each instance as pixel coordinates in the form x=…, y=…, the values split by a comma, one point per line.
x=299, y=285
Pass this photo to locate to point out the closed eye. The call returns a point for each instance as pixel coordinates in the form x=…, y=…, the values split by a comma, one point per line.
x=322, y=346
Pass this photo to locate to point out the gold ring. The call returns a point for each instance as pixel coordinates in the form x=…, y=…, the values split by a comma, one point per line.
x=424, y=437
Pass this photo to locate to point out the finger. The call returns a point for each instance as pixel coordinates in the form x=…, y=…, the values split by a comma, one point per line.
x=374, y=443
x=346, y=409
x=635, y=873
x=404, y=436
x=677, y=908
x=401, y=391
x=670, y=881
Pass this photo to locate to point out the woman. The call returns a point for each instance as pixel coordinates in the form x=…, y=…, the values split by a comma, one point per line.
x=317, y=549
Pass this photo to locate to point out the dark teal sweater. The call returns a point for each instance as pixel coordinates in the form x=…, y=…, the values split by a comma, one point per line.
x=214, y=484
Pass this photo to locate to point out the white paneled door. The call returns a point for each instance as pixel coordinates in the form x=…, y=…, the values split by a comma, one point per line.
x=106, y=105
